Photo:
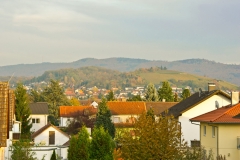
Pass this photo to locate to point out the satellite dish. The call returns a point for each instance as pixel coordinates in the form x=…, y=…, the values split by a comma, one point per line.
x=216, y=104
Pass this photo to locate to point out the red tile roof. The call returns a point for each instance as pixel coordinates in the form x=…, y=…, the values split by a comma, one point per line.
x=72, y=111
x=227, y=114
x=126, y=108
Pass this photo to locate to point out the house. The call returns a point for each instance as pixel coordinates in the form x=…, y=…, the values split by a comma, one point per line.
x=199, y=103
x=220, y=130
x=125, y=112
x=67, y=113
x=159, y=107
x=39, y=115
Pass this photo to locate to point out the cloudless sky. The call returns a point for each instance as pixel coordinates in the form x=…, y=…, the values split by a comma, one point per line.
x=69, y=30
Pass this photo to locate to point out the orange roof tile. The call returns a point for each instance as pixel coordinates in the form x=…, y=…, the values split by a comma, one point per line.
x=72, y=111
x=227, y=114
x=126, y=108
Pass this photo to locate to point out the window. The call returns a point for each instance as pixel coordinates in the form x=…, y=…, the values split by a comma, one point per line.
x=213, y=131
x=51, y=137
x=33, y=120
x=37, y=120
x=204, y=130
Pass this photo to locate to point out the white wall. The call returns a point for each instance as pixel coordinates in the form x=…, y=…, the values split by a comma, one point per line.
x=1, y=153
x=43, y=121
x=60, y=139
x=123, y=118
x=191, y=131
x=64, y=121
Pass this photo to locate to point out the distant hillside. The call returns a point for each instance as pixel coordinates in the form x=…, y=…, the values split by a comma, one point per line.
x=220, y=71
x=106, y=78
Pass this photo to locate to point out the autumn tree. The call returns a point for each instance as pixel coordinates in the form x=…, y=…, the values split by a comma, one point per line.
x=165, y=92
x=185, y=94
x=22, y=110
x=102, y=145
x=153, y=139
x=54, y=95
x=74, y=102
x=104, y=118
x=151, y=93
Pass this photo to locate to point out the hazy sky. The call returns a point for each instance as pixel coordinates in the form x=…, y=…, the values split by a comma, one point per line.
x=69, y=30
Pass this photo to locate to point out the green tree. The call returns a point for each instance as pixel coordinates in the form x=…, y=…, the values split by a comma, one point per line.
x=83, y=144
x=185, y=94
x=21, y=150
x=22, y=110
x=110, y=96
x=53, y=157
x=165, y=92
x=102, y=145
x=104, y=118
x=35, y=96
x=73, y=149
x=54, y=96
x=135, y=98
x=153, y=139
x=151, y=93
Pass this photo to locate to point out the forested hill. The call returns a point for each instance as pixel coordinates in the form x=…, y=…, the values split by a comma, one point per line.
x=227, y=72
x=106, y=78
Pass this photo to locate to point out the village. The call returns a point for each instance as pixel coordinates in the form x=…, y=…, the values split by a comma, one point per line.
x=207, y=119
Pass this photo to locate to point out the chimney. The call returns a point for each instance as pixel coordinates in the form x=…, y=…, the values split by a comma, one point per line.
x=235, y=98
x=211, y=87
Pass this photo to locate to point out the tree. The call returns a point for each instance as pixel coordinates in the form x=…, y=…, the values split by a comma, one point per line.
x=22, y=110
x=110, y=96
x=165, y=92
x=151, y=93
x=80, y=146
x=185, y=94
x=74, y=102
x=135, y=98
x=21, y=150
x=102, y=145
x=73, y=149
x=54, y=96
x=35, y=96
x=104, y=118
x=53, y=157
x=153, y=139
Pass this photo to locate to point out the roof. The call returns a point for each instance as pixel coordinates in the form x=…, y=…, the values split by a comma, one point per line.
x=159, y=107
x=39, y=108
x=126, y=108
x=35, y=134
x=72, y=111
x=227, y=114
x=194, y=100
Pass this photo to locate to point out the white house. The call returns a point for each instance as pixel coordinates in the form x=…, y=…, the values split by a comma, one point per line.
x=195, y=105
x=39, y=115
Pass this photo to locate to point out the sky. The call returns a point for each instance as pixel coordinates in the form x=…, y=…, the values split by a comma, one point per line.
x=69, y=30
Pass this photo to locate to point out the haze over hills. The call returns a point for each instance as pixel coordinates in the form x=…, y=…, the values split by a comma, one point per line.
x=202, y=67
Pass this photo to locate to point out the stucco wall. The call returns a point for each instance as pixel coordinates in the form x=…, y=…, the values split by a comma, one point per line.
x=1, y=153
x=191, y=131
x=60, y=139
x=43, y=122
x=123, y=118
x=64, y=121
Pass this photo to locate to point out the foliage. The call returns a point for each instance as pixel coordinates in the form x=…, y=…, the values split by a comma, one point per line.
x=35, y=96
x=104, y=118
x=110, y=96
x=22, y=110
x=54, y=96
x=185, y=94
x=135, y=98
x=53, y=157
x=74, y=102
x=73, y=148
x=220, y=157
x=176, y=99
x=102, y=145
x=197, y=153
x=165, y=92
x=153, y=139
x=80, y=146
x=151, y=93
x=21, y=150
